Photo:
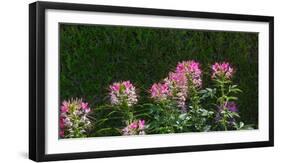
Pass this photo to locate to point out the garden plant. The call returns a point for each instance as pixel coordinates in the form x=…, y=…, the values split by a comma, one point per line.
x=177, y=104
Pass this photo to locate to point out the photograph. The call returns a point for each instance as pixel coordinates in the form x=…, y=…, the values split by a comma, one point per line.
x=110, y=81
x=132, y=80
x=140, y=81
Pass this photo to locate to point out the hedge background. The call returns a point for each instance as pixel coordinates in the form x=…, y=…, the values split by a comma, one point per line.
x=93, y=57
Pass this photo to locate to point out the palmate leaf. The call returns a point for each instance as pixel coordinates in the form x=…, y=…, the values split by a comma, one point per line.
x=234, y=89
x=208, y=92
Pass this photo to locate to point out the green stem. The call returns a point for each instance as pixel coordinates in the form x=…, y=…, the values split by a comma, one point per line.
x=223, y=102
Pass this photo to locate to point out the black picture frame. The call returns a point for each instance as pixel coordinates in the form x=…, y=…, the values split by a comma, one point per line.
x=37, y=80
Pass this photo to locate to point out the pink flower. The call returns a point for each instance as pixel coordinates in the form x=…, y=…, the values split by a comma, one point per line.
x=135, y=128
x=73, y=116
x=141, y=124
x=133, y=125
x=222, y=70
x=178, y=78
x=115, y=87
x=127, y=84
x=175, y=87
x=192, y=71
x=64, y=107
x=159, y=91
x=180, y=67
x=154, y=90
x=178, y=86
x=123, y=93
x=84, y=105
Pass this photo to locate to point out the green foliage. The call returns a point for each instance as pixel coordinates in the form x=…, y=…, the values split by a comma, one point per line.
x=227, y=93
x=164, y=118
x=109, y=120
x=93, y=57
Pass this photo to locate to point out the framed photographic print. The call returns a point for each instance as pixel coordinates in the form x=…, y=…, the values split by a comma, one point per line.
x=117, y=81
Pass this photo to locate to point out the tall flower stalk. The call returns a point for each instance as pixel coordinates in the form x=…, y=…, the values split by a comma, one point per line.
x=178, y=87
x=73, y=119
x=123, y=95
x=197, y=115
x=222, y=74
x=192, y=72
x=181, y=87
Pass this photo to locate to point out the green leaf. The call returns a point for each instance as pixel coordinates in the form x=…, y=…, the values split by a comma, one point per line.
x=108, y=115
x=231, y=98
x=143, y=115
x=207, y=128
x=203, y=91
x=205, y=112
x=183, y=116
x=241, y=125
x=101, y=121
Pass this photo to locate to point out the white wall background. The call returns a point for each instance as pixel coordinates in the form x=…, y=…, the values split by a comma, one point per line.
x=14, y=79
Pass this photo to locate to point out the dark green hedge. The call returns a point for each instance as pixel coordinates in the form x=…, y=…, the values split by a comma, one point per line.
x=92, y=57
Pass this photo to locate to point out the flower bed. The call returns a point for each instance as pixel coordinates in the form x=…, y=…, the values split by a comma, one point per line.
x=178, y=104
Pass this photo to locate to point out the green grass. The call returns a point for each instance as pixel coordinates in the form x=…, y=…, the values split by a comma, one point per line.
x=93, y=57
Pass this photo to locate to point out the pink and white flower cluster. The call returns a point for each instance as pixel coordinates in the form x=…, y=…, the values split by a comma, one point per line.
x=123, y=93
x=159, y=91
x=73, y=118
x=135, y=128
x=222, y=70
x=176, y=85
x=192, y=71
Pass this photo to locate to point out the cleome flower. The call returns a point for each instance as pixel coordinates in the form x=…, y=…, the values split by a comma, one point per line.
x=192, y=71
x=176, y=85
x=73, y=120
x=231, y=106
x=222, y=70
x=123, y=93
x=135, y=128
x=159, y=92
